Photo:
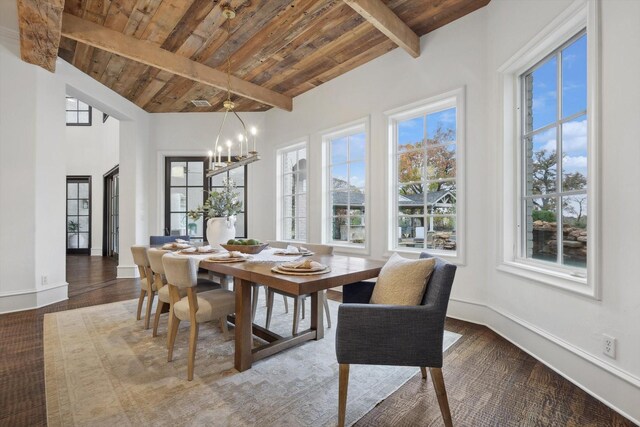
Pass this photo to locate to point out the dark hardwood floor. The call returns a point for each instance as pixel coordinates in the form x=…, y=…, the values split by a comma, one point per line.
x=490, y=382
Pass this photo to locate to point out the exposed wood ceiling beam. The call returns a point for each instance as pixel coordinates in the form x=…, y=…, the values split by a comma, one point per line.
x=150, y=54
x=383, y=18
x=40, y=22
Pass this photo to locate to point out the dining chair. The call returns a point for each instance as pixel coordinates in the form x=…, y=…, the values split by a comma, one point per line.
x=147, y=285
x=160, y=280
x=182, y=273
x=377, y=334
x=299, y=300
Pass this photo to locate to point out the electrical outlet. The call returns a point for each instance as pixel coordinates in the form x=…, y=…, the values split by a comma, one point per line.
x=44, y=280
x=609, y=346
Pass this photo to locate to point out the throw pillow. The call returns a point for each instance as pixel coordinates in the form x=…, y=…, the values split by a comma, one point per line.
x=402, y=281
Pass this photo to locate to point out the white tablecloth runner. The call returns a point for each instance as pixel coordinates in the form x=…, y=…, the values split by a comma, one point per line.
x=267, y=255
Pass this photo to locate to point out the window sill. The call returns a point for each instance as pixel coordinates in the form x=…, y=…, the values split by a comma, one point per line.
x=452, y=257
x=557, y=279
x=349, y=249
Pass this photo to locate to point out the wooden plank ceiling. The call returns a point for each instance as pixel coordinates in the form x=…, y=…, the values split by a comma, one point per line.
x=288, y=46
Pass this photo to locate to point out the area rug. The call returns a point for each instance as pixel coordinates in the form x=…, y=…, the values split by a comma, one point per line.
x=103, y=369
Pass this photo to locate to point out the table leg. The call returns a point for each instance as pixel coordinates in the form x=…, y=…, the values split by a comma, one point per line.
x=317, y=313
x=244, y=334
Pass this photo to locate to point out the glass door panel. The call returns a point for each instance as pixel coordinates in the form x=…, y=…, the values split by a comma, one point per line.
x=78, y=215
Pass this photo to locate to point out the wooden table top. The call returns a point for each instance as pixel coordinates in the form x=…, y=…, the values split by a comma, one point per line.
x=344, y=270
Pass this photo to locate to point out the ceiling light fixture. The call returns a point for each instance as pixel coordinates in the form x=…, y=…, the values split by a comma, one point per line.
x=217, y=163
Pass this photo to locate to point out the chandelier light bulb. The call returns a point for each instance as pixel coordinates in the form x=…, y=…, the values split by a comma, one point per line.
x=253, y=130
x=240, y=137
x=210, y=153
x=229, y=143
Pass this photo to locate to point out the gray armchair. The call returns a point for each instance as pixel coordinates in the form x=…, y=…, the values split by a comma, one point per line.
x=373, y=334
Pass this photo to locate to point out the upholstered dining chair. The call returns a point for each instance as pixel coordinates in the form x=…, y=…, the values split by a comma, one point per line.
x=147, y=285
x=375, y=334
x=161, y=240
x=182, y=273
x=160, y=280
x=299, y=300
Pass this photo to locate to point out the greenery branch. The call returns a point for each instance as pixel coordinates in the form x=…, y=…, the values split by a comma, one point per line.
x=219, y=203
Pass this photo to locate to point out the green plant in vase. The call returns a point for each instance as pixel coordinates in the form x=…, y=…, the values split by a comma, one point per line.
x=220, y=210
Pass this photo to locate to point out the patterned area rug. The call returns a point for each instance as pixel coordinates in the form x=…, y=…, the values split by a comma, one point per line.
x=103, y=368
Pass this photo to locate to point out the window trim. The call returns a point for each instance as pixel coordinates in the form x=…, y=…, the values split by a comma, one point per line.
x=579, y=15
x=77, y=111
x=346, y=129
x=454, y=98
x=293, y=146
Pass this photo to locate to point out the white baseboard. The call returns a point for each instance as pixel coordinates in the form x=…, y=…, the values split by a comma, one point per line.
x=127, y=272
x=32, y=298
x=96, y=252
x=616, y=388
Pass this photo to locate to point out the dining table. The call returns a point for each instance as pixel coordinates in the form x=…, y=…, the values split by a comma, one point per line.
x=342, y=271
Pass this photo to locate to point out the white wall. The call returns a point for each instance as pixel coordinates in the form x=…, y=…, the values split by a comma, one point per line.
x=452, y=57
x=93, y=151
x=561, y=329
x=573, y=325
x=194, y=134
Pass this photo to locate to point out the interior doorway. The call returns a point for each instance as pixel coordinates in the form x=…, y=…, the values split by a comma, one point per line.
x=111, y=214
x=79, y=215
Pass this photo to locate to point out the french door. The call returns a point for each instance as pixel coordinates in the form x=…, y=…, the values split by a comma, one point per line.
x=79, y=215
x=111, y=214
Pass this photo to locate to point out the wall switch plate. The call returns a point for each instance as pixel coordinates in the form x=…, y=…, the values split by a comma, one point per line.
x=609, y=346
x=44, y=280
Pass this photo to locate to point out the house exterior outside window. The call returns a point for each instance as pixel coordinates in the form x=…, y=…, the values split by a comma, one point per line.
x=427, y=151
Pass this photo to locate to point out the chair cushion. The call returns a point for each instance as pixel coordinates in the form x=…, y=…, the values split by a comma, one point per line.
x=402, y=281
x=211, y=305
x=163, y=293
x=143, y=284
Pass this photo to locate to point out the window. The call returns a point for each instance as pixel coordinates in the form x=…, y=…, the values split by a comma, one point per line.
x=186, y=188
x=427, y=142
x=554, y=140
x=79, y=215
x=292, y=193
x=345, y=187
x=549, y=156
x=78, y=113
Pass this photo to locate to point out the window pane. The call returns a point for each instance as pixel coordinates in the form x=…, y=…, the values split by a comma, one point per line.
x=410, y=134
x=441, y=126
x=541, y=163
x=83, y=117
x=541, y=229
x=83, y=207
x=178, y=199
x=83, y=190
x=72, y=104
x=72, y=207
x=339, y=229
x=72, y=190
x=240, y=232
x=301, y=229
x=442, y=201
x=542, y=95
x=217, y=180
x=301, y=205
x=83, y=222
x=289, y=161
x=82, y=106
x=238, y=176
x=574, y=77
x=441, y=162
x=194, y=227
x=194, y=199
x=340, y=177
x=357, y=147
x=410, y=166
x=302, y=159
x=83, y=240
x=357, y=175
x=338, y=200
x=574, y=230
x=574, y=154
x=72, y=117
x=72, y=240
x=288, y=228
x=178, y=170
x=288, y=207
x=410, y=232
x=195, y=173
x=441, y=233
x=357, y=230
x=288, y=184
x=339, y=148
x=410, y=203
x=178, y=224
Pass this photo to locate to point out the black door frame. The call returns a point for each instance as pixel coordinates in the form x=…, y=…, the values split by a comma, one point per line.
x=105, y=209
x=77, y=178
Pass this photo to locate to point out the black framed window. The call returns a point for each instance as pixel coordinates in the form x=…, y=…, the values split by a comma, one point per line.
x=78, y=113
x=186, y=188
x=79, y=215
